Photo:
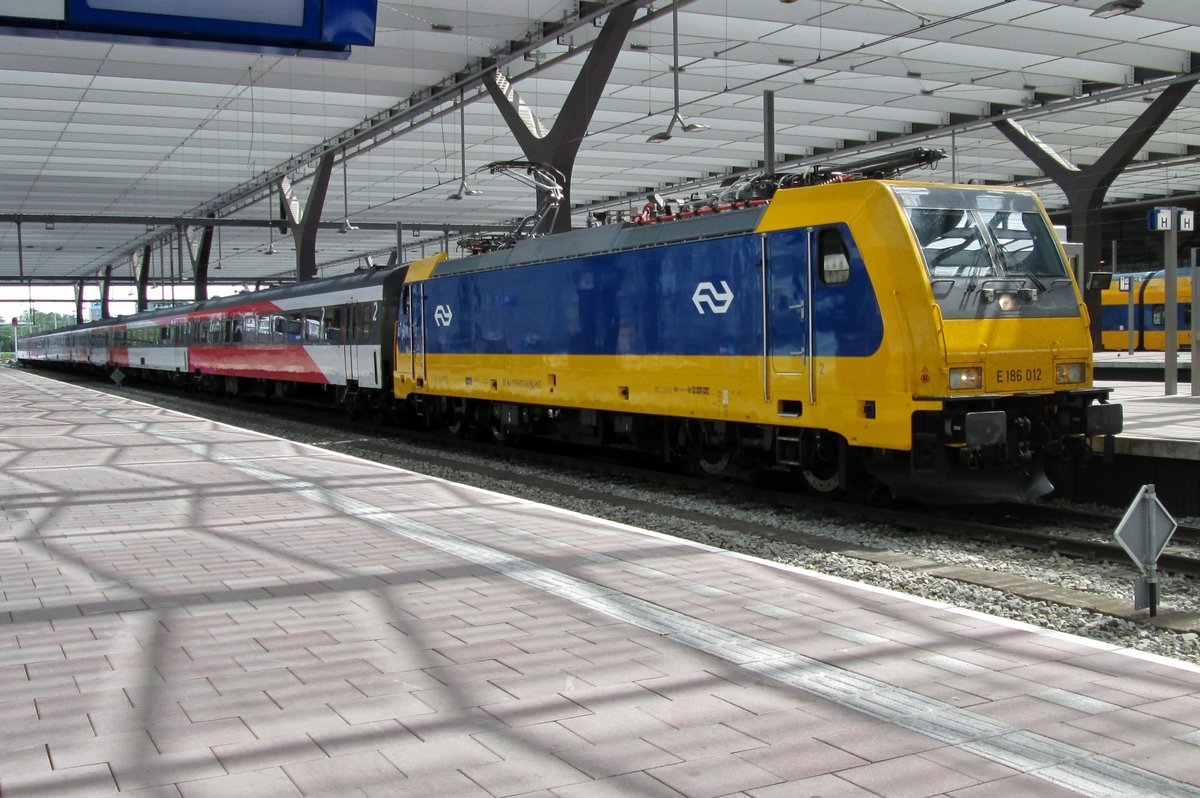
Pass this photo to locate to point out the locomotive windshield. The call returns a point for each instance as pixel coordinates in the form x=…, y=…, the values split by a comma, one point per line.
x=989, y=254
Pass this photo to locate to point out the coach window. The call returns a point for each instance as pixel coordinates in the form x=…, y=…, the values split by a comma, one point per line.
x=366, y=320
x=835, y=261
x=333, y=325
x=249, y=328
x=293, y=327
x=312, y=326
x=237, y=329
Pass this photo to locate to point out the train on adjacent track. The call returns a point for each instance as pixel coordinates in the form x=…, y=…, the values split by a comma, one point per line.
x=1147, y=290
x=924, y=338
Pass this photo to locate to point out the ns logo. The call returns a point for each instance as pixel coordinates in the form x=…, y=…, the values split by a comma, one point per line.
x=718, y=301
x=442, y=315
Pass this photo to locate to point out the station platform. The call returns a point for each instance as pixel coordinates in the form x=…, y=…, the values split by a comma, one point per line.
x=1142, y=366
x=194, y=609
x=1157, y=424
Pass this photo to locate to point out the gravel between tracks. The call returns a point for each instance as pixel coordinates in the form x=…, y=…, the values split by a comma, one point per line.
x=1178, y=594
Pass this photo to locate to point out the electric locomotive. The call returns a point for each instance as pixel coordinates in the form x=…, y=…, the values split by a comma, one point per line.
x=926, y=337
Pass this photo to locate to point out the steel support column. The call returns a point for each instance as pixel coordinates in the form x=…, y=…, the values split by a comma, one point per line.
x=304, y=225
x=143, y=279
x=1085, y=188
x=105, y=284
x=560, y=145
x=79, y=302
x=200, y=265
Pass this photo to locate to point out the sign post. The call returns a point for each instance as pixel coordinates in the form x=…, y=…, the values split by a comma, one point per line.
x=1143, y=533
x=1125, y=283
x=1195, y=325
x=1169, y=221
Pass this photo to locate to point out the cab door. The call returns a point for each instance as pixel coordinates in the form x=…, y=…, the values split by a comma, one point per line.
x=411, y=336
x=788, y=310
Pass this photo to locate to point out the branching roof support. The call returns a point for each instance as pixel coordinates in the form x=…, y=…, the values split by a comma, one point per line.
x=1085, y=187
x=559, y=146
x=304, y=225
x=200, y=260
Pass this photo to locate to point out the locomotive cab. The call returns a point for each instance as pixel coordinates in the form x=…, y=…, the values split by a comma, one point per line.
x=1012, y=371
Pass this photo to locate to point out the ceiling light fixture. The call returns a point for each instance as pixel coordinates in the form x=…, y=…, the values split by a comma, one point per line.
x=463, y=189
x=1116, y=8
x=676, y=117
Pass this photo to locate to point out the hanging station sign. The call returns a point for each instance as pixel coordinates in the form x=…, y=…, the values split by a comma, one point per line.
x=302, y=27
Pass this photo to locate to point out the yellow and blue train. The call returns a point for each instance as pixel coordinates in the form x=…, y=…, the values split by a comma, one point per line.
x=1148, y=291
x=928, y=338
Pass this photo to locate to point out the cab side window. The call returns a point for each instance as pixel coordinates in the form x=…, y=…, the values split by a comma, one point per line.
x=834, y=257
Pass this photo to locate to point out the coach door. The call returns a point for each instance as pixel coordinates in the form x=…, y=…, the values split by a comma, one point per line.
x=789, y=314
x=362, y=364
x=350, y=342
x=179, y=345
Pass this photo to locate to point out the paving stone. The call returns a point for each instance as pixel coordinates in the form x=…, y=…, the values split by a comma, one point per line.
x=335, y=774
x=908, y=777
x=269, y=783
x=279, y=749
x=617, y=758
x=519, y=776
x=713, y=776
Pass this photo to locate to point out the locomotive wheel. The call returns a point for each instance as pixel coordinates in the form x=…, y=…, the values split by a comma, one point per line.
x=500, y=435
x=826, y=481
x=458, y=420
x=826, y=474
x=713, y=448
x=714, y=461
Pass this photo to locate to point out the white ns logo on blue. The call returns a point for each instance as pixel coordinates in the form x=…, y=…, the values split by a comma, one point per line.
x=717, y=301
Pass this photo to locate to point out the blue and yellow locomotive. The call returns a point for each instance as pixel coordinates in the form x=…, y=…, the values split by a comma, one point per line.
x=926, y=337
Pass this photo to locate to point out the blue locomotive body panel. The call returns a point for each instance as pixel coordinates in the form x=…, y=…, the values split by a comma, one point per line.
x=699, y=298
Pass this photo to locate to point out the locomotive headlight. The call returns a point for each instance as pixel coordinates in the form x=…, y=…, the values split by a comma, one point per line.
x=1069, y=372
x=966, y=379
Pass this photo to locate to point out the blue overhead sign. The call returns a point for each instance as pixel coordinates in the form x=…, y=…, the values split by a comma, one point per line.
x=316, y=27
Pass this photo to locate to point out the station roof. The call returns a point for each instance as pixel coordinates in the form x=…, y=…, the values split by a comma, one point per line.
x=97, y=132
